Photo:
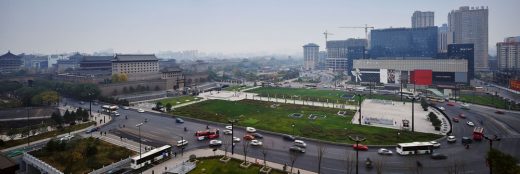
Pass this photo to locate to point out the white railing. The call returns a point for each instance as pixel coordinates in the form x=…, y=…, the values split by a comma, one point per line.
x=40, y=164
x=112, y=166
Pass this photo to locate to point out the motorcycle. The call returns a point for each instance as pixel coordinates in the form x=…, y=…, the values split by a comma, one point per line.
x=368, y=163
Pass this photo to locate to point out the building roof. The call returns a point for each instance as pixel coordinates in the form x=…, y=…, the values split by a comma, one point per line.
x=311, y=45
x=9, y=55
x=98, y=58
x=134, y=57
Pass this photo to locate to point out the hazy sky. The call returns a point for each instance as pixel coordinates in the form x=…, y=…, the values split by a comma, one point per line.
x=226, y=26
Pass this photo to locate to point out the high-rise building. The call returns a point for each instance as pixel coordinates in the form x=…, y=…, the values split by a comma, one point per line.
x=470, y=25
x=310, y=56
x=322, y=60
x=337, y=53
x=445, y=38
x=508, y=54
x=463, y=51
x=422, y=19
x=404, y=42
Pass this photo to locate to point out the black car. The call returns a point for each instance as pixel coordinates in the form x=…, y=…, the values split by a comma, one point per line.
x=466, y=140
x=288, y=137
x=258, y=135
x=179, y=120
x=438, y=156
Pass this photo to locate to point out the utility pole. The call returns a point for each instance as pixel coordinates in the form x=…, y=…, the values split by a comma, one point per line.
x=232, y=121
x=357, y=139
x=28, y=127
x=359, y=103
x=413, y=108
x=139, y=127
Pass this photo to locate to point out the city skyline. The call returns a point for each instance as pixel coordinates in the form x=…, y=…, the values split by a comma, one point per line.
x=228, y=27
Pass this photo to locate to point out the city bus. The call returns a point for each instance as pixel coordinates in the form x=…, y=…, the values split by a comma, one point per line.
x=109, y=109
x=414, y=148
x=150, y=157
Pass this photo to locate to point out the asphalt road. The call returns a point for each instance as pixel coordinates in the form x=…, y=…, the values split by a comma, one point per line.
x=161, y=129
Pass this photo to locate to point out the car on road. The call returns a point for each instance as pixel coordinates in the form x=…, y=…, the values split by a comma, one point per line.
x=469, y=123
x=288, y=137
x=201, y=138
x=438, y=156
x=466, y=140
x=499, y=112
x=213, y=143
x=227, y=132
x=296, y=149
x=66, y=137
x=115, y=113
x=212, y=136
x=300, y=143
x=461, y=115
x=236, y=139
x=256, y=143
x=465, y=105
x=179, y=120
x=140, y=110
x=126, y=107
x=450, y=104
x=229, y=127
x=250, y=129
x=249, y=137
x=182, y=143
x=360, y=147
x=81, y=102
x=455, y=119
x=442, y=108
x=435, y=144
x=258, y=135
x=92, y=130
x=384, y=151
x=451, y=139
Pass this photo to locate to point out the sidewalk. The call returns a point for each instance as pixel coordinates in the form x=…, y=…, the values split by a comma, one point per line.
x=209, y=152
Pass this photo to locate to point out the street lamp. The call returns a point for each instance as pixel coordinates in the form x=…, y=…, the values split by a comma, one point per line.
x=139, y=127
x=359, y=103
x=292, y=125
x=413, y=108
x=232, y=121
x=357, y=139
x=491, y=139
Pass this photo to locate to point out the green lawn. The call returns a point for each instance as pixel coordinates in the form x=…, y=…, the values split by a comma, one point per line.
x=54, y=133
x=316, y=95
x=179, y=100
x=487, y=100
x=213, y=165
x=328, y=126
x=236, y=88
x=81, y=155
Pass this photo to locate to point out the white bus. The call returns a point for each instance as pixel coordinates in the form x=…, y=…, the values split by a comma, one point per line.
x=150, y=156
x=109, y=109
x=414, y=148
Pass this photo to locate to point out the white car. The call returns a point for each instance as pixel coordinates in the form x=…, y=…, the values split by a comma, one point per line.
x=465, y=105
x=470, y=123
x=236, y=139
x=182, y=142
x=66, y=137
x=200, y=138
x=215, y=143
x=441, y=108
x=256, y=143
x=384, y=151
x=229, y=127
x=300, y=143
x=140, y=110
x=435, y=144
x=126, y=107
x=227, y=132
x=451, y=139
x=250, y=129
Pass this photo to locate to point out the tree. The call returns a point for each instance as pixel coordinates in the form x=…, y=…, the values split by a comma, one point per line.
x=424, y=104
x=245, y=149
x=123, y=77
x=264, y=152
x=293, y=156
x=115, y=78
x=502, y=163
x=158, y=105
x=11, y=133
x=57, y=118
x=132, y=89
x=321, y=150
x=168, y=107
x=49, y=97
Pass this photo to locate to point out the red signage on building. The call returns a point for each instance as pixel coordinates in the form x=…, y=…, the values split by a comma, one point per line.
x=421, y=77
x=514, y=85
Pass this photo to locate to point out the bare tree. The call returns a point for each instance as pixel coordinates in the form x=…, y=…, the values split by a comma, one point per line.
x=264, y=152
x=226, y=145
x=245, y=150
x=379, y=165
x=293, y=156
x=321, y=151
x=456, y=167
x=349, y=162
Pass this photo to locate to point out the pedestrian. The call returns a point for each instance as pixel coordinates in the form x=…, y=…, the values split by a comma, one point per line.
x=101, y=133
x=105, y=133
x=298, y=171
x=174, y=154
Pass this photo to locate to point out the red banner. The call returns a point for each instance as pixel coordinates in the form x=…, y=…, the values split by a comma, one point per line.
x=421, y=77
x=514, y=85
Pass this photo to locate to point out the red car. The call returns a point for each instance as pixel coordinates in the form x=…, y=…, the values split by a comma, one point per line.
x=213, y=136
x=360, y=147
x=455, y=119
x=461, y=115
x=451, y=104
x=499, y=112
x=249, y=137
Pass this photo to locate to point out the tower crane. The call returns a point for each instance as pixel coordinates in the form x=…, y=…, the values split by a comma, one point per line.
x=366, y=27
x=326, y=33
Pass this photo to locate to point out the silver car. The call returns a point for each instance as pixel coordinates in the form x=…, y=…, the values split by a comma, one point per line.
x=384, y=151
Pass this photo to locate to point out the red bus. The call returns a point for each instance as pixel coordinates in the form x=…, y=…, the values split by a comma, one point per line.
x=478, y=133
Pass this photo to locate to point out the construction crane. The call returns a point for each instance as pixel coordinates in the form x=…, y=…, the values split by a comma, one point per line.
x=366, y=27
x=326, y=33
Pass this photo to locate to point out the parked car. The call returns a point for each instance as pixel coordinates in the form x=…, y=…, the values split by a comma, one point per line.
x=469, y=123
x=236, y=139
x=360, y=147
x=227, y=132
x=451, y=139
x=140, y=110
x=258, y=135
x=249, y=137
x=466, y=140
x=215, y=143
x=179, y=120
x=384, y=151
x=182, y=143
x=256, y=143
x=250, y=129
x=297, y=149
x=438, y=156
x=455, y=119
x=288, y=137
x=300, y=143
x=435, y=144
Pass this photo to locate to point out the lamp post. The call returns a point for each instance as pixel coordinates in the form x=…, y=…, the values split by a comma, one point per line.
x=139, y=127
x=413, y=108
x=28, y=127
x=357, y=139
x=90, y=103
x=292, y=125
x=491, y=139
x=359, y=103
x=232, y=121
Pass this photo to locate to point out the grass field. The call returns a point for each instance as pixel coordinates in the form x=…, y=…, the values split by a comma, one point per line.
x=82, y=155
x=328, y=126
x=316, y=95
x=487, y=100
x=54, y=133
x=213, y=165
x=179, y=100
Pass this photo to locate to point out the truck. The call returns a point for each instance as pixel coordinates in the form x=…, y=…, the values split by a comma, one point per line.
x=478, y=133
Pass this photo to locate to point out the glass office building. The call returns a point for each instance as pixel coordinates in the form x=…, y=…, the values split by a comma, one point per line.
x=404, y=42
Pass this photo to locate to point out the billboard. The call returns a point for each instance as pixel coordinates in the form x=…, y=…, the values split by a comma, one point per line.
x=421, y=77
x=389, y=76
x=383, y=76
x=514, y=85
